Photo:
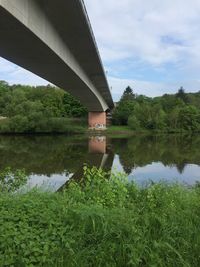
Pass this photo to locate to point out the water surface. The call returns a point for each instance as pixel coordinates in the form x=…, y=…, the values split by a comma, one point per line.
x=51, y=161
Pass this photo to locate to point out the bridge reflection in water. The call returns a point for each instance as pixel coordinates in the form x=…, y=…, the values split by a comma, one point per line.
x=99, y=155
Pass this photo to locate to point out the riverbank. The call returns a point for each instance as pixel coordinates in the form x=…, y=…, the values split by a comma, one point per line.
x=21, y=125
x=126, y=130
x=114, y=131
x=61, y=125
x=10, y=126
x=101, y=222
x=119, y=130
x=42, y=125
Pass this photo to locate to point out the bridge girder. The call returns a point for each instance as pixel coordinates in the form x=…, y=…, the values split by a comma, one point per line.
x=54, y=40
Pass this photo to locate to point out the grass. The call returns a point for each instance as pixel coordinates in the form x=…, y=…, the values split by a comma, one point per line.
x=117, y=129
x=102, y=222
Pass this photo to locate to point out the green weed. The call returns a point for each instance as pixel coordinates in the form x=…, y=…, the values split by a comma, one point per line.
x=102, y=221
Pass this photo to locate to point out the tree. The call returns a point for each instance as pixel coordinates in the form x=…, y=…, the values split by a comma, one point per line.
x=133, y=123
x=72, y=107
x=3, y=85
x=125, y=107
x=189, y=118
x=128, y=94
x=123, y=111
x=182, y=95
x=173, y=118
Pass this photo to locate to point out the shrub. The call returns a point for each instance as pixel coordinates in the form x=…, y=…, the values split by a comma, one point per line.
x=12, y=180
x=101, y=221
x=133, y=123
x=36, y=123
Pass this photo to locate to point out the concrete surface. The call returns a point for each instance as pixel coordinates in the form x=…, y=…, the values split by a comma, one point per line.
x=54, y=40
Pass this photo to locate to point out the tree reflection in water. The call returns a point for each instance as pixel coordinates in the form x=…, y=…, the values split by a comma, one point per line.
x=61, y=155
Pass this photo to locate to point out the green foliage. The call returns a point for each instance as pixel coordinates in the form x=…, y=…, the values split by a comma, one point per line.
x=189, y=118
x=169, y=113
x=37, y=123
x=128, y=94
x=125, y=107
x=101, y=221
x=72, y=107
x=113, y=190
x=36, y=109
x=182, y=95
x=133, y=122
x=122, y=113
x=12, y=180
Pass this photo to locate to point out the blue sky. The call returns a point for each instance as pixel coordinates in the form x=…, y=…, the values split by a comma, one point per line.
x=153, y=46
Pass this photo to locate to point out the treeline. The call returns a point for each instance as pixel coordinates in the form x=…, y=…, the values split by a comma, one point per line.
x=27, y=109
x=170, y=113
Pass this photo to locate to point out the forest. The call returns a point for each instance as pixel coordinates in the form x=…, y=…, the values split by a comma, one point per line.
x=48, y=109
x=29, y=109
x=178, y=112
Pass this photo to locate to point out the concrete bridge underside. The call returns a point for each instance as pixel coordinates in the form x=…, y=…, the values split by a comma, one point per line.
x=54, y=40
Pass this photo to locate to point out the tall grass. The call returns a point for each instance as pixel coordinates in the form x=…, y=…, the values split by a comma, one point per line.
x=102, y=222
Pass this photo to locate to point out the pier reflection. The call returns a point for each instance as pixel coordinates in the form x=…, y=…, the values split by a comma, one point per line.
x=97, y=144
x=99, y=155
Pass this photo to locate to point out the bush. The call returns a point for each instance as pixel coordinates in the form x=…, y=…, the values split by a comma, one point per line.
x=133, y=123
x=36, y=123
x=101, y=221
x=12, y=180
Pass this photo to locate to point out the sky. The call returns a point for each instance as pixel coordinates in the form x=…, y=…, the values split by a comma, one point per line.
x=152, y=46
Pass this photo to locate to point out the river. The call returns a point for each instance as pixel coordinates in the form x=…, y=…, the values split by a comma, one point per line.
x=51, y=161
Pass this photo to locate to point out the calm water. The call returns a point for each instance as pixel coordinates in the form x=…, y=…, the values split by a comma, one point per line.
x=51, y=161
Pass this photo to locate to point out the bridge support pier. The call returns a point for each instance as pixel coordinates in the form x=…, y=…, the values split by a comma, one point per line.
x=97, y=120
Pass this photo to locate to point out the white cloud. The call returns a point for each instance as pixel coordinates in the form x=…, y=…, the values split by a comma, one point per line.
x=159, y=37
x=139, y=29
